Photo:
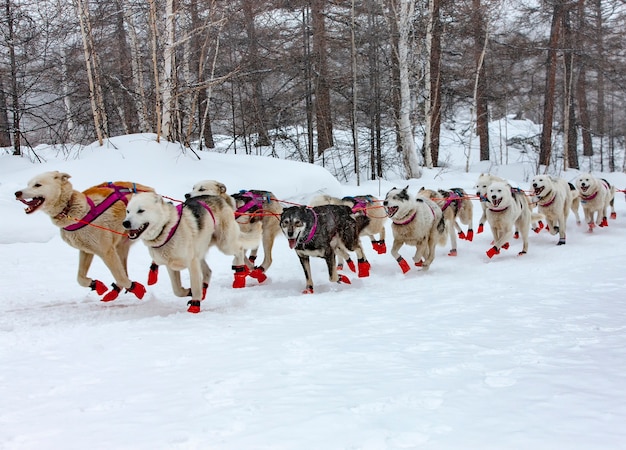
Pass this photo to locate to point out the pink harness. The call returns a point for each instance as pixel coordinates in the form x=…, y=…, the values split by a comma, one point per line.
x=95, y=211
x=179, y=208
x=309, y=238
x=256, y=202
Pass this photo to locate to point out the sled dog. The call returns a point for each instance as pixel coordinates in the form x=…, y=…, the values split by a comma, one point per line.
x=596, y=196
x=90, y=221
x=483, y=182
x=369, y=214
x=258, y=215
x=555, y=198
x=415, y=221
x=456, y=206
x=507, y=209
x=180, y=236
x=323, y=231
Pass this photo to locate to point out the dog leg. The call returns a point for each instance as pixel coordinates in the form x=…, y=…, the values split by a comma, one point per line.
x=306, y=266
x=112, y=261
x=331, y=264
x=404, y=266
x=195, y=278
x=177, y=288
x=84, y=262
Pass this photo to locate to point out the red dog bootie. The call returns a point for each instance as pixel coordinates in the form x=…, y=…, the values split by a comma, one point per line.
x=153, y=274
x=240, y=276
x=403, y=264
x=138, y=289
x=194, y=306
x=98, y=286
x=492, y=252
x=470, y=235
x=481, y=228
x=364, y=268
x=259, y=274
x=112, y=294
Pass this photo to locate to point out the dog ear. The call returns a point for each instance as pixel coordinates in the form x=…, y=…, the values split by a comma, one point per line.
x=222, y=187
x=62, y=176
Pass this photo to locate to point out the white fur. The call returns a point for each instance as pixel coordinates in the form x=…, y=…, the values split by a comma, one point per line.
x=555, y=199
x=596, y=196
x=506, y=211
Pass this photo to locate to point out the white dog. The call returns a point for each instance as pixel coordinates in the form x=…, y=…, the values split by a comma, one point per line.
x=596, y=196
x=507, y=209
x=180, y=236
x=555, y=198
x=416, y=221
x=482, y=184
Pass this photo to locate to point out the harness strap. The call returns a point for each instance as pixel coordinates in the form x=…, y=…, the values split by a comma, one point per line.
x=410, y=219
x=256, y=201
x=549, y=203
x=95, y=211
x=309, y=238
x=179, y=208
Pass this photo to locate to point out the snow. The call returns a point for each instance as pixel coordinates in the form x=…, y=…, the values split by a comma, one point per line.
x=508, y=353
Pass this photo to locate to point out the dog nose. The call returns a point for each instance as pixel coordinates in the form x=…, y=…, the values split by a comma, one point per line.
x=187, y=195
x=535, y=185
x=494, y=197
x=18, y=194
x=126, y=224
x=385, y=203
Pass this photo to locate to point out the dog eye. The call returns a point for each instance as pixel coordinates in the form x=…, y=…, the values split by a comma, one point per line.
x=201, y=189
x=37, y=185
x=140, y=211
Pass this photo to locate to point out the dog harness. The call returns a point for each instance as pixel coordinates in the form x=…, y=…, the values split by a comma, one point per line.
x=455, y=197
x=254, y=204
x=95, y=211
x=360, y=203
x=179, y=208
x=545, y=205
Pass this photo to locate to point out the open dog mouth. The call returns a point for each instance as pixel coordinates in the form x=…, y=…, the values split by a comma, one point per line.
x=391, y=210
x=584, y=187
x=496, y=201
x=539, y=190
x=292, y=243
x=134, y=234
x=32, y=204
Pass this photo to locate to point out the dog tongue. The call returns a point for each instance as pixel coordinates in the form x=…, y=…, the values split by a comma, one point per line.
x=292, y=243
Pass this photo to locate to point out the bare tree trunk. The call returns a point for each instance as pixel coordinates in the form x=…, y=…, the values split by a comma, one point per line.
x=155, y=68
x=5, y=134
x=601, y=109
x=570, y=156
x=403, y=13
x=545, y=146
x=17, y=139
x=374, y=101
x=428, y=89
x=258, y=103
x=435, y=83
x=480, y=93
x=125, y=73
x=355, y=125
x=141, y=104
x=308, y=90
x=67, y=99
x=322, y=86
x=581, y=85
x=95, y=89
x=169, y=74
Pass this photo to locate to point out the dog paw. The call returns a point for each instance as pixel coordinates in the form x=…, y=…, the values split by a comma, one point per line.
x=351, y=265
x=492, y=252
x=364, y=268
x=98, y=286
x=561, y=241
x=462, y=235
x=259, y=274
x=344, y=279
x=153, y=274
x=470, y=235
x=481, y=228
x=194, y=306
x=613, y=215
x=452, y=252
x=112, y=294
x=308, y=290
x=138, y=289
x=403, y=265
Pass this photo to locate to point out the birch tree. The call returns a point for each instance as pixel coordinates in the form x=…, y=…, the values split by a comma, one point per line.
x=403, y=12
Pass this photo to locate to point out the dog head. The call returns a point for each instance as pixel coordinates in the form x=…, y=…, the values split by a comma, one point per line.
x=541, y=183
x=586, y=183
x=146, y=216
x=398, y=202
x=499, y=194
x=483, y=182
x=46, y=192
x=296, y=223
x=207, y=187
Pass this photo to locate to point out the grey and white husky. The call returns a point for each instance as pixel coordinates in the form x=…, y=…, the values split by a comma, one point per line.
x=322, y=231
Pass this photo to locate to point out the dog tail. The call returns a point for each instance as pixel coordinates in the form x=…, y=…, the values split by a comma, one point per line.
x=441, y=230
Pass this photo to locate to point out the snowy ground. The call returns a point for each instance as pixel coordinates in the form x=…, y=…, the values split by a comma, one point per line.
x=509, y=353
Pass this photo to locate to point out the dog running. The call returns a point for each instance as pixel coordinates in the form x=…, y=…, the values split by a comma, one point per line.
x=415, y=221
x=555, y=198
x=90, y=221
x=507, y=210
x=370, y=216
x=596, y=196
x=180, y=236
x=322, y=231
x=456, y=207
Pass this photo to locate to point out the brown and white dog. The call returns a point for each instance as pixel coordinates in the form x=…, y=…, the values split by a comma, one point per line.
x=180, y=236
x=596, y=196
x=555, y=198
x=370, y=216
x=507, y=210
x=258, y=215
x=415, y=221
x=455, y=205
x=90, y=221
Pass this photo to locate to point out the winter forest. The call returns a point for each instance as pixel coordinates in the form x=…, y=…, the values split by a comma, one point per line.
x=263, y=71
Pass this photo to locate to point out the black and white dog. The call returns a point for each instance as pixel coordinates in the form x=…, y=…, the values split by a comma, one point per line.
x=322, y=231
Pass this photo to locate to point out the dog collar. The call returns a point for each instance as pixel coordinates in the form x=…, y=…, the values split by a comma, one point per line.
x=309, y=238
x=586, y=198
x=179, y=208
x=406, y=222
x=498, y=210
x=550, y=202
